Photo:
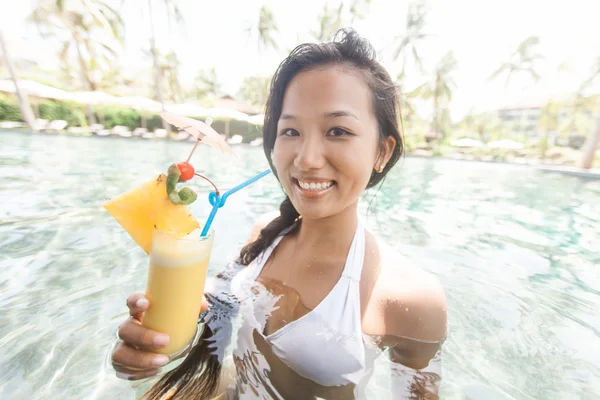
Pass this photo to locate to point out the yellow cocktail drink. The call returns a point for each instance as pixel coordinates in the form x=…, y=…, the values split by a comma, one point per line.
x=175, y=287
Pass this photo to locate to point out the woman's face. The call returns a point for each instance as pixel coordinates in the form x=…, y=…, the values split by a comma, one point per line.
x=327, y=143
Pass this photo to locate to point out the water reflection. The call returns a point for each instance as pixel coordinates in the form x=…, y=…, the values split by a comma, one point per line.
x=515, y=249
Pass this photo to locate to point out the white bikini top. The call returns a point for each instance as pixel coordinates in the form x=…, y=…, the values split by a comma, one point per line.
x=326, y=345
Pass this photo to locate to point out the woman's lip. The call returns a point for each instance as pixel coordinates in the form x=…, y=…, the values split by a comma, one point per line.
x=314, y=180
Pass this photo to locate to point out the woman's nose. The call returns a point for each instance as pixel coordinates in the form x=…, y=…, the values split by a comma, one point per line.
x=310, y=154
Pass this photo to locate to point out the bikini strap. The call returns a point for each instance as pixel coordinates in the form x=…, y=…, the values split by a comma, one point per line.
x=356, y=255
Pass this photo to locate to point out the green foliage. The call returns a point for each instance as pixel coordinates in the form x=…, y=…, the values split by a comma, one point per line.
x=114, y=116
x=524, y=60
x=414, y=34
x=73, y=113
x=248, y=131
x=206, y=84
x=267, y=28
x=9, y=109
x=153, y=122
x=543, y=145
x=74, y=24
x=255, y=90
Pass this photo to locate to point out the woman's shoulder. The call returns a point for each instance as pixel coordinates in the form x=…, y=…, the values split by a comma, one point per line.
x=261, y=222
x=413, y=299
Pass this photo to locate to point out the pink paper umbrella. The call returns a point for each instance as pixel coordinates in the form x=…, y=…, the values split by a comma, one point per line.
x=200, y=130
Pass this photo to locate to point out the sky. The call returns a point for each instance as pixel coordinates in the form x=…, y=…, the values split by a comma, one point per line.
x=481, y=33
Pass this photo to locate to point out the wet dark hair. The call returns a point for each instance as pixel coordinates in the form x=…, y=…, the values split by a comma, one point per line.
x=198, y=376
x=349, y=50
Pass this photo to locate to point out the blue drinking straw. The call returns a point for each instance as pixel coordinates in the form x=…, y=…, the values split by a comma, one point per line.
x=219, y=201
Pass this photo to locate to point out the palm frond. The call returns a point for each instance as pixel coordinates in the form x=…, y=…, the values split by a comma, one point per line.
x=505, y=67
x=417, y=58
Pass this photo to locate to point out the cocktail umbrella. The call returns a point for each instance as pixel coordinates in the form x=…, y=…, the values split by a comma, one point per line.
x=200, y=130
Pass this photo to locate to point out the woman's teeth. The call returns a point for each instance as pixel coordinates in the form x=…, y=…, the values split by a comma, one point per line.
x=314, y=186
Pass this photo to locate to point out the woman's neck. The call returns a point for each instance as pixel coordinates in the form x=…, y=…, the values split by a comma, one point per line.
x=330, y=233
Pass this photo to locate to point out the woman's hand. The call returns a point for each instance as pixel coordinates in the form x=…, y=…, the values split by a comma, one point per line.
x=134, y=356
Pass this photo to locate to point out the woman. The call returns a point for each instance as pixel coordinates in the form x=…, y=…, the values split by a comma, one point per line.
x=335, y=298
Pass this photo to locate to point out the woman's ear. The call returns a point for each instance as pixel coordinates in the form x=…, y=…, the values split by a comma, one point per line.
x=387, y=149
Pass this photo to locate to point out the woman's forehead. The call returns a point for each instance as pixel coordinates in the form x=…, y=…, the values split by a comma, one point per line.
x=327, y=90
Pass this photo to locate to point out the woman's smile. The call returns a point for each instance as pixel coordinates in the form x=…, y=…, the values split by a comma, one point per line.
x=313, y=188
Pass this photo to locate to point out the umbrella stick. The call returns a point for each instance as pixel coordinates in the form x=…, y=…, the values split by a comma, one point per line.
x=192, y=152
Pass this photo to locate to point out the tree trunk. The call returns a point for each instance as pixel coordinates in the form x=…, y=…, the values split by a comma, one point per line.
x=87, y=83
x=590, y=147
x=24, y=105
x=436, y=119
x=436, y=106
x=157, y=72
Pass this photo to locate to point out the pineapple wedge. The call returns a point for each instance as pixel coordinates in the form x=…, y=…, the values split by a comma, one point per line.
x=139, y=210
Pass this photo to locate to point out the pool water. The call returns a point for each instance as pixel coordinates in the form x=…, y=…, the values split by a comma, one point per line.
x=516, y=249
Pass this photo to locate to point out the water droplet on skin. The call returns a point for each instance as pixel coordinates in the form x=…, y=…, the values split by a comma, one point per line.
x=405, y=308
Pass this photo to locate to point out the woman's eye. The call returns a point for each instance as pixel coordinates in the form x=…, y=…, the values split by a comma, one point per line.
x=338, y=132
x=289, y=132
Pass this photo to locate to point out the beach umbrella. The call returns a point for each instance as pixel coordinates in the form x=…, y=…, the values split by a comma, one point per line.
x=229, y=102
x=226, y=114
x=257, y=119
x=200, y=130
x=140, y=103
x=187, y=109
x=466, y=142
x=34, y=89
x=94, y=98
x=506, y=145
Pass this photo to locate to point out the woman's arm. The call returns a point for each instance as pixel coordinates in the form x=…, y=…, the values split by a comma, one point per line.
x=416, y=326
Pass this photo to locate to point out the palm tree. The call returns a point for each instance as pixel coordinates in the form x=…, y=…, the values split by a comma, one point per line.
x=593, y=140
x=156, y=63
x=548, y=123
x=330, y=22
x=169, y=70
x=407, y=99
x=590, y=146
x=358, y=10
x=26, y=111
x=92, y=28
x=333, y=19
x=207, y=84
x=523, y=61
x=266, y=29
x=440, y=90
x=415, y=23
x=255, y=90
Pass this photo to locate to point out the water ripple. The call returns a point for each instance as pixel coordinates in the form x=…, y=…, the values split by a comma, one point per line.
x=515, y=249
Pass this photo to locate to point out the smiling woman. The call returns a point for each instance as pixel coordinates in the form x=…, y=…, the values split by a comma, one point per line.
x=328, y=141
x=320, y=297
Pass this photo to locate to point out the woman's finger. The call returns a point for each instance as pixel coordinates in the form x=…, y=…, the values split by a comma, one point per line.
x=204, y=305
x=137, y=304
x=126, y=358
x=134, y=334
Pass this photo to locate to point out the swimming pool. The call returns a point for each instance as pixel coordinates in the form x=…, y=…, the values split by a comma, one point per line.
x=516, y=249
